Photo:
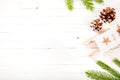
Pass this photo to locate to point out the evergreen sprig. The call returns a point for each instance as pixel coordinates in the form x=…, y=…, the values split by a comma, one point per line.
x=109, y=69
x=69, y=4
x=89, y=4
x=99, y=1
x=117, y=62
x=111, y=73
x=99, y=75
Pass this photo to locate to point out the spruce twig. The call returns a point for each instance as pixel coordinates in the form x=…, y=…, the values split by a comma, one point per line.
x=117, y=62
x=111, y=73
x=99, y=75
x=69, y=4
x=99, y=1
x=88, y=4
x=109, y=69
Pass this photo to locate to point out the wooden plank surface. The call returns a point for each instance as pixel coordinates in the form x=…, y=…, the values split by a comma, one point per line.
x=42, y=40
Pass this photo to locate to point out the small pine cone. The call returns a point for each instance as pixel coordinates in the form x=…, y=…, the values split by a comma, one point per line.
x=118, y=30
x=96, y=25
x=107, y=15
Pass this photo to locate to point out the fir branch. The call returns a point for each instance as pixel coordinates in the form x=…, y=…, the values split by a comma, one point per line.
x=98, y=75
x=117, y=62
x=88, y=4
x=69, y=4
x=109, y=69
x=99, y=1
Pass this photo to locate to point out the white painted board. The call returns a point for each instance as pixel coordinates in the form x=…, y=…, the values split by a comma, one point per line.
x=39, y=40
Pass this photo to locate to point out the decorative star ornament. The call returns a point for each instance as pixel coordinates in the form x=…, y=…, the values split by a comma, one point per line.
x=106, y=41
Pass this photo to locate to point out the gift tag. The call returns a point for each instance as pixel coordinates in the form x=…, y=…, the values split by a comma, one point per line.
x=108, y=40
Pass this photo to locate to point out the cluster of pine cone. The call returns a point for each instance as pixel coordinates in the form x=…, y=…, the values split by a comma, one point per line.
x=106, y=16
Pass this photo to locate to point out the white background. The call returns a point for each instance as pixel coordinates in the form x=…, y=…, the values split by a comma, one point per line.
x=39, y=40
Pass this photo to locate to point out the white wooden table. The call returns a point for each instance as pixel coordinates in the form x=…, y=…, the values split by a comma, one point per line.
x=42, y=40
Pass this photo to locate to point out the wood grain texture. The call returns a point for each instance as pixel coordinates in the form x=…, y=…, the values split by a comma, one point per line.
x=42, y=40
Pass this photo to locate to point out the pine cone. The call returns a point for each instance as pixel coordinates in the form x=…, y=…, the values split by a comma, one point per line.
x=118, y=30
x=107, y=15
x=96, y=25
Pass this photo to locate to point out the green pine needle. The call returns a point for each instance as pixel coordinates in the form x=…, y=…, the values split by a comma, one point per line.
x=109, y=69
x=98, y=75
x=117, y=62
x=69, y=4
x=88, y=4
x=99, y=1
